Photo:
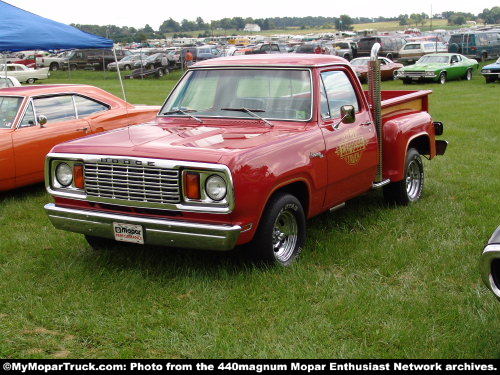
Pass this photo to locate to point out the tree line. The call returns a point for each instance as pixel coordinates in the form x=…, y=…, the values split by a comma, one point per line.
x=186, y=27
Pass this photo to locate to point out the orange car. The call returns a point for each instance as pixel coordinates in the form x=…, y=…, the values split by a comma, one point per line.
x=33, y=119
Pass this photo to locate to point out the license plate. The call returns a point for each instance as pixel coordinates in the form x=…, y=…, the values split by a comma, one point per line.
x=128, y=233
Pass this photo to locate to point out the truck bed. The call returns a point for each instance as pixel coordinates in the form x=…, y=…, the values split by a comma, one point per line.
x=404, y=100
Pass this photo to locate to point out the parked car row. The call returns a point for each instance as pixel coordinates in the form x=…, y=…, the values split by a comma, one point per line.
x=24, y=74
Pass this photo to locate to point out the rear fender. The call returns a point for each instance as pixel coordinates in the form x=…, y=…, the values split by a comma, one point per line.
x=402, y=132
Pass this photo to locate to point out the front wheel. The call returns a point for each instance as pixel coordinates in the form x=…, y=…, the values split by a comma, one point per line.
x=281, y=232
x=409, y=189
x=490, y=79
x=442, y=78
x=30, y=81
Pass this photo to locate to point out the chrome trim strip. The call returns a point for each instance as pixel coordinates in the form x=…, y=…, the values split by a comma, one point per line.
x=224, y=207
x=162, y=232
x=490, y=253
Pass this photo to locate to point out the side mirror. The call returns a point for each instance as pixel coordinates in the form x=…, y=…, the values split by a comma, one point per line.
x=42, y=120
x=348, y=114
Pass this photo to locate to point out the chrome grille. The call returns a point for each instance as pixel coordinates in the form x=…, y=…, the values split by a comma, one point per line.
x=415, y=73
x=132, y=183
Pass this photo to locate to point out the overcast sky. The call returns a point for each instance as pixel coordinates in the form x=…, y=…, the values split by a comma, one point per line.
x=154, y=12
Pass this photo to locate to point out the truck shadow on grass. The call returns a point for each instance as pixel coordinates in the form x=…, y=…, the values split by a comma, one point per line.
x=157, y=260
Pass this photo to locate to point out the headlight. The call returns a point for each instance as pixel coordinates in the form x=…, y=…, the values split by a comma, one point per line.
x=486, y=71
x=64, y=174
x=430, y=73
x=215, y=187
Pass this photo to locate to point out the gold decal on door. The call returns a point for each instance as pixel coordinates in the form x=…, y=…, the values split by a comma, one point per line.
x=352, y=147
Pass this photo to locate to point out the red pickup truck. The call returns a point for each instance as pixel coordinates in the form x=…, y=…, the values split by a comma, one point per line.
x=243, y=151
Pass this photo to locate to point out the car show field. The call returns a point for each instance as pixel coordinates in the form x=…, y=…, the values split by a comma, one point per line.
x=373, y=280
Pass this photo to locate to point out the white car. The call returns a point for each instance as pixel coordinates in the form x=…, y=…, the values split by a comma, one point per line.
x=25, y=74
x=6, y=82
x=413, y=51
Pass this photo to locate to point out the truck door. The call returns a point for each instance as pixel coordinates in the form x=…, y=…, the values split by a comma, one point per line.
x=351, y=149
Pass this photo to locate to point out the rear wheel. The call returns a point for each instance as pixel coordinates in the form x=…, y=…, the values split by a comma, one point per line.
x=54, y=66
x=468, y=74
x=490, y=79
x=442, y=78
x=159, y=73
x=484, y=57
x=126, y=67
x=281, y=232
x=30, y=81
x=409, y=189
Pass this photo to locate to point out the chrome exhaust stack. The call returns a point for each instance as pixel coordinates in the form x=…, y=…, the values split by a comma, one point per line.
x=490, y=264
x=375, y=99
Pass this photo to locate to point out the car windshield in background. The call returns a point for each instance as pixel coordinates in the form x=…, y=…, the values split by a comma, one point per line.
x=341, y=45
x=359, y=62
x=433, y=60
x=153, y=57
x=412, y=46
x=279, y=94
x=305, y=48
x=8, y=110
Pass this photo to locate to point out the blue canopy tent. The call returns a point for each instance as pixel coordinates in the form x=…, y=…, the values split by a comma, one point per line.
x=21, y=30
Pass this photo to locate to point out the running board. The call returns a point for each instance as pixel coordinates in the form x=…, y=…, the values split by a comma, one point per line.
x=337, y=207
x=378, y=185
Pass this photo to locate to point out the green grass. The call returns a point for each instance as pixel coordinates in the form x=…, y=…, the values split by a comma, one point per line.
x=373, y=280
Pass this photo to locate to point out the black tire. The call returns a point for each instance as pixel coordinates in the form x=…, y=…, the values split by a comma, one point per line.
x=484, y=57
x=442, y=78
x=54, y=66
x=126, y=67
x=389, y=56
x=282, y=209
x=490, y=79
x=406, y=81
x=468, y=75
x=73, y=67
x=410, y=188
x=159, y=72
x=30, y=81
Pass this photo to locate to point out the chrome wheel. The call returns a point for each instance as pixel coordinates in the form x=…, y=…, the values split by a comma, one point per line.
x=414, y=180
x=468, y=76
x=285, y=234
x=442, y=78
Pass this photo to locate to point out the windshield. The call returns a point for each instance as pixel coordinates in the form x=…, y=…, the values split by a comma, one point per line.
x=8, y=110
x=153, y=57
x=281, y=94
x=433, y=60
x=412, y=46
x=359, y=62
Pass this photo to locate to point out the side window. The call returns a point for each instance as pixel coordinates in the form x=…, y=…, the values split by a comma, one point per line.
x=339, y=92
x=454, y=59
x=28, y=118
x=56, y=108
x=265, y=48
x=86, y=107
x=274, y=47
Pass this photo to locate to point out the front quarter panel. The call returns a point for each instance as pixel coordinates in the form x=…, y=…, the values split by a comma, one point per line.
x=7, y=166
x=260, y=172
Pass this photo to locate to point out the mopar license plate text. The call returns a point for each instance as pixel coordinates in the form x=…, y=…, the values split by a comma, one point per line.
x=128, y=233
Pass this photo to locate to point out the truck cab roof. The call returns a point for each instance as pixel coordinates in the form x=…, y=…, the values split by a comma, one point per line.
x=273, y=60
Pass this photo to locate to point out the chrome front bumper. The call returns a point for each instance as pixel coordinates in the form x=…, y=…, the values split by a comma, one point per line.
x=160, y=232
x=490, y=274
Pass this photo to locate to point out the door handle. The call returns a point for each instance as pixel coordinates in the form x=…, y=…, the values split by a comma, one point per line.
x=82, y=129
x=366, y=123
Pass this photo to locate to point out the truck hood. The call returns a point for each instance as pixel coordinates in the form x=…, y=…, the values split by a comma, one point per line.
x=190, y=143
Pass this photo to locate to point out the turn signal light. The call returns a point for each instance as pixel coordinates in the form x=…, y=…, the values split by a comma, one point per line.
x=192, y=185
x=78, y=178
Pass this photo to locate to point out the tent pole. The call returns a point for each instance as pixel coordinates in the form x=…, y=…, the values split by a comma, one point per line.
x=119, y=74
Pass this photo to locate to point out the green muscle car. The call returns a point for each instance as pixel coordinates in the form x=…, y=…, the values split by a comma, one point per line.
x=438, y=67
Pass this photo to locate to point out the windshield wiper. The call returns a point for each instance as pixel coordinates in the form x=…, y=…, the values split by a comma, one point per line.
x=185, y=112
x=250, y=112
